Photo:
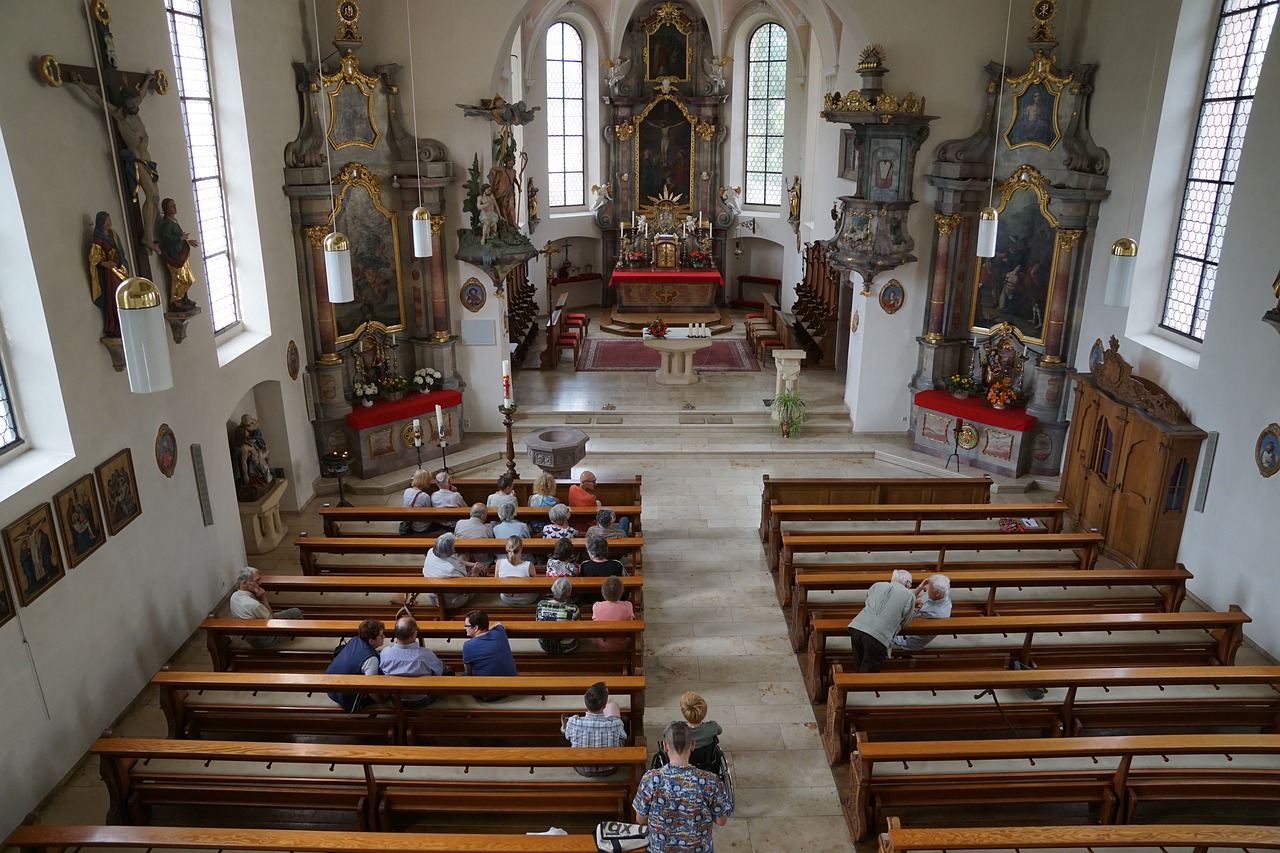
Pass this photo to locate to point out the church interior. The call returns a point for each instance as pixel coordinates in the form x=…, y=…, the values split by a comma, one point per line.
x=298, y=250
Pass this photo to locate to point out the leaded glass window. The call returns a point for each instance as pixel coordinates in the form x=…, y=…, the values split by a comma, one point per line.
x=766, y=114
x=9, y=437
x=566, y=117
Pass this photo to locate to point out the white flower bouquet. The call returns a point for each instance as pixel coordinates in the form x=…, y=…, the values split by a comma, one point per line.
x=425, y=377
x=364, y=389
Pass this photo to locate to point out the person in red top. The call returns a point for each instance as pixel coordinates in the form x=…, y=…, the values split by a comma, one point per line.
x=584, y=494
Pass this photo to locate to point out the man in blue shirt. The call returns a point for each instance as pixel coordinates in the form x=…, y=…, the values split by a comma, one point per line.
x=487, y=651
x=406, y=657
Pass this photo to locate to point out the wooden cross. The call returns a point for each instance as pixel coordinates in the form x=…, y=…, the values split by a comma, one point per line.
x=119, y=94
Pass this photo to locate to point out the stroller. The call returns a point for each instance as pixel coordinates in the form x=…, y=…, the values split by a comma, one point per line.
x=711, y=758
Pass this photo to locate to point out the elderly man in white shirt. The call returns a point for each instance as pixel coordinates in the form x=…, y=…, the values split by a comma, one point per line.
x=250, y=602
x=933, y=601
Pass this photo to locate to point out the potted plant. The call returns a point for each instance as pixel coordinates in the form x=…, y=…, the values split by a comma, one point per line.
x=790, y=412
x=657, y=328
x=393, y=387
x=960, y=385
x=364, y=392
x=424, y=378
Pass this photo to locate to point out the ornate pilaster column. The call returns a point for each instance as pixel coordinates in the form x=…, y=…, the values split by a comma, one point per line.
x=328, y=368
x=1066, y=243
x=941, y=274
x=439, y=295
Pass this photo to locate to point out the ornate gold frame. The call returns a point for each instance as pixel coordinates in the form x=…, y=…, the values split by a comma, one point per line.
x=669, y=14
x=356, y=175
x=349, y=74
x=1022, y=178
x=695, y=128
x=1040, y=71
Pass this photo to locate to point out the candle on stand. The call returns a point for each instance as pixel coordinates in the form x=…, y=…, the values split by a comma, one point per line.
x=506, y=384
x=417, y=433
x=393, y=338
x=633, y=219
x=439, y=422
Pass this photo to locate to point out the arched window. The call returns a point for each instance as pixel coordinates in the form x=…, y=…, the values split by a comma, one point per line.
x=766, y=114
x=1244, y=27
x=9, y=436
x=195, y=93
x=566, y=109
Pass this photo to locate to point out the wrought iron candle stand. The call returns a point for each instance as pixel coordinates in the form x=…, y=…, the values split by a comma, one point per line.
x=507, y=412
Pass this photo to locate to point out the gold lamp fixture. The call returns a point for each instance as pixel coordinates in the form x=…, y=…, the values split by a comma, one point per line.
x=989, y=217
x=146, y=353
x=337, y=248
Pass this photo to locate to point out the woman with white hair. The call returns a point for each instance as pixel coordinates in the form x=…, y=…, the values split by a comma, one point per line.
x=442, y=562
x=557, y=526
x=558, y=608
x=507, y=524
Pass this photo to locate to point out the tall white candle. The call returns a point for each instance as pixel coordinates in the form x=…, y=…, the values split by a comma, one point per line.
x=633, y=219
x=440, y=422
x=417, y=433
x=506, y=384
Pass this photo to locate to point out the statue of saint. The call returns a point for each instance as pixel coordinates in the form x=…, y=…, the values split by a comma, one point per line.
x=175, y=248
x=251, y=458
x=106, y=272
x=502, y=178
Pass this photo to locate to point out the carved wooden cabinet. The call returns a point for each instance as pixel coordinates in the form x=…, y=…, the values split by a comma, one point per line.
x=1129, y=474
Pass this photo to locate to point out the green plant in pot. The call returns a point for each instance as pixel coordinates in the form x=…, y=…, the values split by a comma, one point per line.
x=790, y=412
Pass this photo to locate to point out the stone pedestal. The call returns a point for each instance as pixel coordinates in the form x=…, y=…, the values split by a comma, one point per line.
x=677, y=359
x=557, y=450
x=935, y=362
x=260, y=521
x=787, y=362
x=441, y=356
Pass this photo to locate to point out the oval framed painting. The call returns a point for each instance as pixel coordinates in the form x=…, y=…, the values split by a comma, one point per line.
x=892, y=296
x=1267, y=452
x=291, y=359
x=473, y=295
x=166, y=450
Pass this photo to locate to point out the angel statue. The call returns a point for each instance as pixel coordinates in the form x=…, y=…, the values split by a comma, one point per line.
x=615, y=72
x=715, y=70
x=498, y=110
x=732, y=198
x=603, y=194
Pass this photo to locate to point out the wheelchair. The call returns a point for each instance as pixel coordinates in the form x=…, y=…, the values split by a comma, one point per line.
x=711, y=758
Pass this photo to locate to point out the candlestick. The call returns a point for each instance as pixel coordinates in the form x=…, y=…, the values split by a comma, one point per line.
x=417, y=433
x=440, y=422
x=506, y=383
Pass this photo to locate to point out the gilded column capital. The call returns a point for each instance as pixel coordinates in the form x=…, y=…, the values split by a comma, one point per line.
x=946, y=224
x=437, y=223
x=316, y=234
x=1068, y=237
x=624, y=130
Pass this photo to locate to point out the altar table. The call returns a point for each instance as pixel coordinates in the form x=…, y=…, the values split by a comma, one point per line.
x=998, y=440
x=649, y=291
x=677, y=351
x=380, y=437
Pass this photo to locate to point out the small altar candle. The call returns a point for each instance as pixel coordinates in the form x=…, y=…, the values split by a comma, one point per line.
x=417, y=433
x=439, y=422
x=633, y=219
x=393, y=338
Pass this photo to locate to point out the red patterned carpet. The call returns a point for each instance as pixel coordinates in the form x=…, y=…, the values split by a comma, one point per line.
x=610, y=356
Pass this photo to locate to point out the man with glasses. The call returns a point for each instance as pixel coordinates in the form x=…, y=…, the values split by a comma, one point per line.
x=584, y=493
x=487, y=651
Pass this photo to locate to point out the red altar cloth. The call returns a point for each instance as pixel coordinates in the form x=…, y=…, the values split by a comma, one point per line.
x=975, y=409
x=672, y=276
x=385, y=411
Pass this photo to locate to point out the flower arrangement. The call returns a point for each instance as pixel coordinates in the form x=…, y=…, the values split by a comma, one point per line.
x=699, y=258
x=425, y=377
x=959, y=382
x=1001, y=393
x=657, y=328
x=364, y=389
x=394, y=383
x=635, y=259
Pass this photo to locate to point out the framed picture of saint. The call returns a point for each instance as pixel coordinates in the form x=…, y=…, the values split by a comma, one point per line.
x=1035, y=118
x=666, y=54
x=664, y=152
x=32, y=547
x=79, y=520
x=119, y=489
x=1016, y=285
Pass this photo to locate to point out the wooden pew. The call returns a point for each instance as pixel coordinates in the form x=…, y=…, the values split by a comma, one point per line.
x=1216, y=638
x=621, y=492
x=225, y=657
x=340, y=520
x=48, y=838
x=868, y=490
x=856, y=703
x=555, y=329
x=1145, y=591
x=312, y=547
x=911, y=777
x=1155, y=837
x=208, y=704
x=1083, y=548
x=354, y=592
x=914, y=515
x=146, y=775
x=770, y=331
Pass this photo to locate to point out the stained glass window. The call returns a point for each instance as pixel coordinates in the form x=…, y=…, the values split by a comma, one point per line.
x=766, y=114
x=195, y=94
x=566, y=117
x=1244, y=28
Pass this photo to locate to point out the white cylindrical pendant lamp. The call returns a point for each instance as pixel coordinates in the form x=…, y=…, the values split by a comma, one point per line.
x=337, y=267
x=421, y=219
x=146, y=352
x=1124, y=257
x=987, y=223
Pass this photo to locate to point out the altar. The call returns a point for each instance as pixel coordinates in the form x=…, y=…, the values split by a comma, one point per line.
x=677, y=350
x=650, y=291
x=380, y=437
x=996, y=440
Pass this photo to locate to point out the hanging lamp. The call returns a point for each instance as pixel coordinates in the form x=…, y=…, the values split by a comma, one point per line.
x=146, y=352
x=989, y=217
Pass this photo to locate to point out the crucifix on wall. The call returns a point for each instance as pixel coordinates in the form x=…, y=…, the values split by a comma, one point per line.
x=119, y=95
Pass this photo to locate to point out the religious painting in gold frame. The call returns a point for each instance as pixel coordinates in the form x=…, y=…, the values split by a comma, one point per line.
x=664, y=152
x=667, y=52
x=374, y=235
x=350, y=96
x=1016, y=285
x=1034, y=117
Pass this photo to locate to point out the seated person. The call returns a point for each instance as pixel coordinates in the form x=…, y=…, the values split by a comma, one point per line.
x=406, y=657
x=563, y=563
x=506, y=493
x=487, y=651
x=694, y=709
x=584, y=493
x=416, y=496
x=557, y=526
x=558, y=608
x=442, y=562
x=543, y=495
x=514, y=565
x=612, y=609
x=507, y=524
x=358, y=656
x=598, y=563
x=446, y=493
x=250, y=602
x=606, y=527
x=600, y=727
x=476, y=526
x=933, y=601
